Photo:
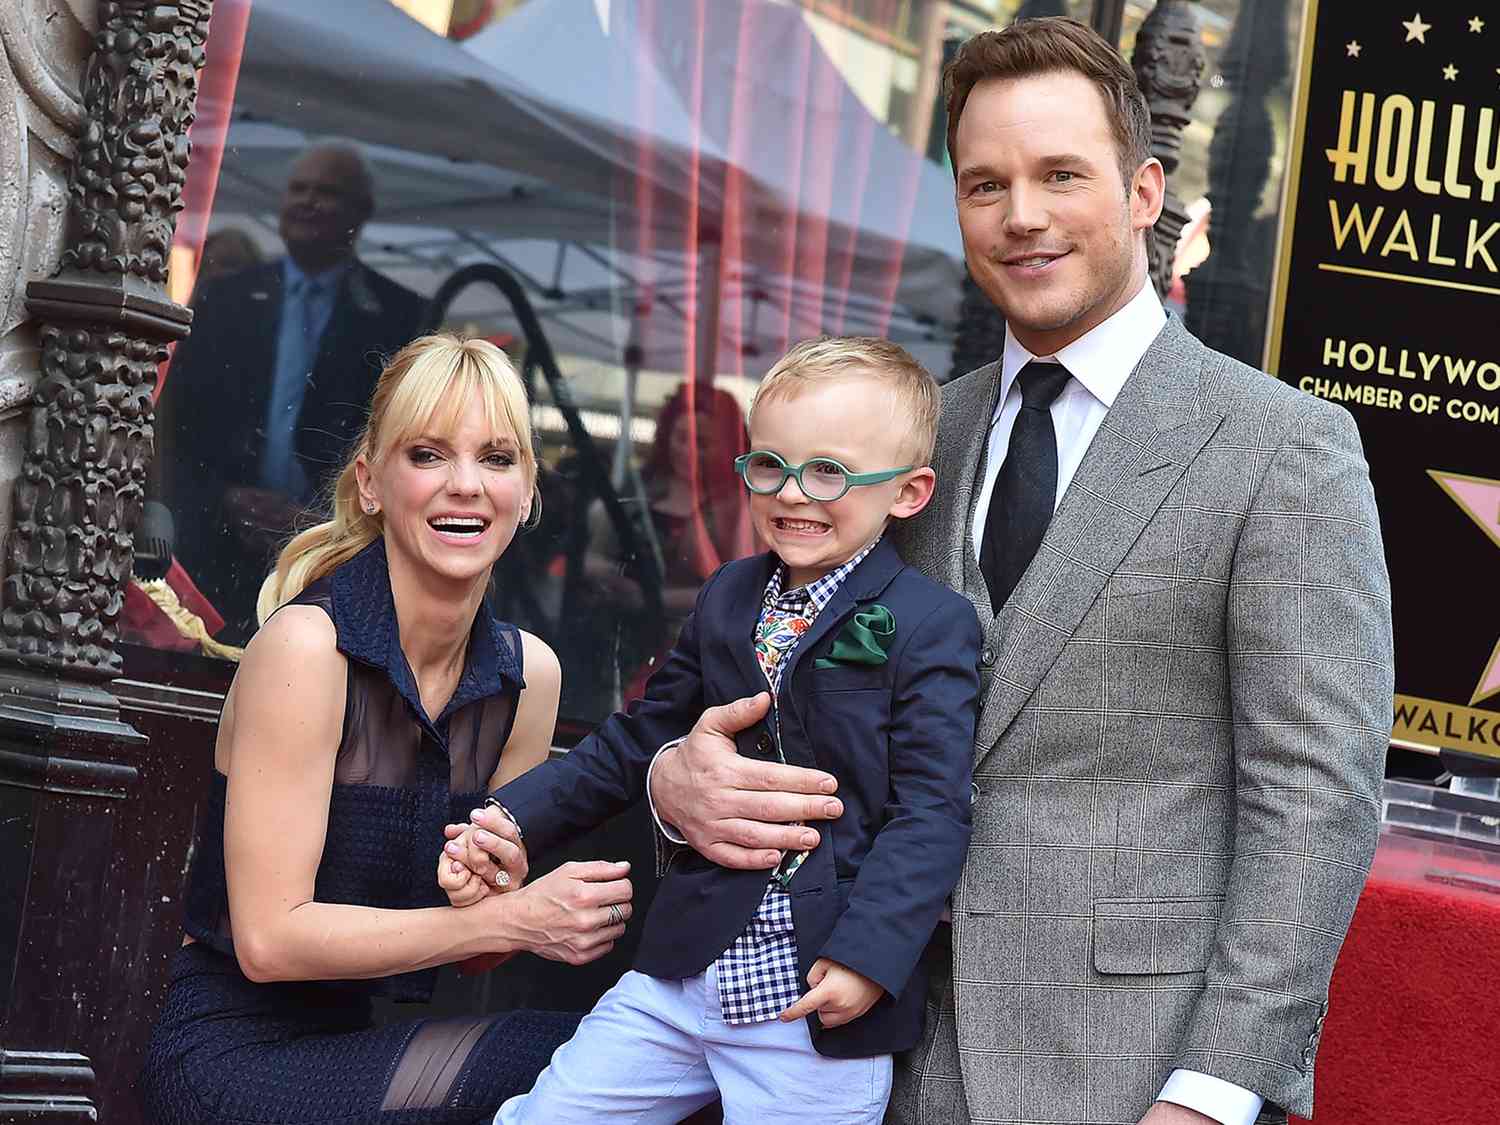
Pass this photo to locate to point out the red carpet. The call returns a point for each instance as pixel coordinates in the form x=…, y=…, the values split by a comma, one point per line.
x=1413, y=1029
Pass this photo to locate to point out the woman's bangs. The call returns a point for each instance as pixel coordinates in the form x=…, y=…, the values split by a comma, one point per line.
x=432, y=403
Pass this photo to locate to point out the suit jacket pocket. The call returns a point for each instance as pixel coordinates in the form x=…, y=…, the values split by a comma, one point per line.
x=846, y=677
x=1164, y=571
x=1155, y=935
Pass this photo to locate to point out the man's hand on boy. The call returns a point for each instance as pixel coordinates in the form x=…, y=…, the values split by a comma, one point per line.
x=738, y=812
x=838, y=994
x=490, y=847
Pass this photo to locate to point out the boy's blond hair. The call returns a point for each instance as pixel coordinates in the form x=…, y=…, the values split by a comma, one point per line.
x=915, y=392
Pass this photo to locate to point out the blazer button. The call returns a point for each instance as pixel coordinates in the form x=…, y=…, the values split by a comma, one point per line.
x=987, y=656
x=763, y=744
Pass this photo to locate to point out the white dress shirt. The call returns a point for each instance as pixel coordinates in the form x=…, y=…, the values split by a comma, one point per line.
x=1099, y=362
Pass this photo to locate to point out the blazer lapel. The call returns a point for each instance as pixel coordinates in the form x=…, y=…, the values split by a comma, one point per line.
x=939, y=541
x=744, y=612
x=867, y=583
x=262, y=325
x=1156, y=426
x=352, y=325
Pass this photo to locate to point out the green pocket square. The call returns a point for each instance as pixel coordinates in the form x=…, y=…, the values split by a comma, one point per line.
x=863, y=640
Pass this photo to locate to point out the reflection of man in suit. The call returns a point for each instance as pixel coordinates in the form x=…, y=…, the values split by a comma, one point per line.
x=1187, y=676
x=263, y=398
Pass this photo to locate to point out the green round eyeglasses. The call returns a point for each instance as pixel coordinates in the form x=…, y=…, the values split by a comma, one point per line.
x=820, y=478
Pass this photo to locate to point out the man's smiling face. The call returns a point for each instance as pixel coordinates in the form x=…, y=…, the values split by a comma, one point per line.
x=1051, y=232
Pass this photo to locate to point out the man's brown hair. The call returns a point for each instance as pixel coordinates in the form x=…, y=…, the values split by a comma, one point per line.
x=1046, y=46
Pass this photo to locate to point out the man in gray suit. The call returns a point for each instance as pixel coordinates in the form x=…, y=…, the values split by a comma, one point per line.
x=1187, y=676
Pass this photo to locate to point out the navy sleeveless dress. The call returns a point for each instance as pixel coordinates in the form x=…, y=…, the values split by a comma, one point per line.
x=227, y=1049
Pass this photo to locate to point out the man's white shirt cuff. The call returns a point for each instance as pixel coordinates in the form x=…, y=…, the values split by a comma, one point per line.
x=1213, y=1097
x=662, y=826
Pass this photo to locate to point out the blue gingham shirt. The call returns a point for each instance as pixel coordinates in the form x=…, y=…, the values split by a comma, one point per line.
x=758, y=977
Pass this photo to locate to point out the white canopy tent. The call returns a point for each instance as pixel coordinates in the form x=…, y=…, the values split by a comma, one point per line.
x=535, y=144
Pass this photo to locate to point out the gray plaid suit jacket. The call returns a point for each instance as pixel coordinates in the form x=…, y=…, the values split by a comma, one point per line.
x=1185, y=711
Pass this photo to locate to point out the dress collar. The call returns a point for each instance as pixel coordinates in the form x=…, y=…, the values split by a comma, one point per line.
x=364, y=619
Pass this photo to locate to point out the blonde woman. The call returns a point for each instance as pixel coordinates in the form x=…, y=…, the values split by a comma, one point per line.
x=379, y=701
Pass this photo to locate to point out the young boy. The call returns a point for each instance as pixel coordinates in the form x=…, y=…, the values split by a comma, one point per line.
x=872, y=671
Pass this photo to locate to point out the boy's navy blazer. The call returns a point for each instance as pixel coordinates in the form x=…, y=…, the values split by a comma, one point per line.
x=899, y=737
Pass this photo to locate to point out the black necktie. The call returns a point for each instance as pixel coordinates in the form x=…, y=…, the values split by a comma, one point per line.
x=1026, y=487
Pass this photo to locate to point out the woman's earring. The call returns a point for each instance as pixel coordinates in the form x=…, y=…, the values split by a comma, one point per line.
x=369, y=507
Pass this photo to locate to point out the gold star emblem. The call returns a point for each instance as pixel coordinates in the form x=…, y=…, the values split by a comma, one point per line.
x=1353, y=48
x=1450, y=72
x=1416, y=29
x=1480, y=499
x=1476, y=25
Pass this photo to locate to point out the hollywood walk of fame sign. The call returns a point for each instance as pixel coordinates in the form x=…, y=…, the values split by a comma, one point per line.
x=1387, y=300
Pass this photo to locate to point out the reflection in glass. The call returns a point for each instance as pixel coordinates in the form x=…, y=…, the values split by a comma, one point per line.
x=690, y=513
x=679, y=189
x=263, y=400
x=1233, y=157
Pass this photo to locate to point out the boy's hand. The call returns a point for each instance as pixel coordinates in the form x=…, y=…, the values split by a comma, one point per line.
x=462, y=886
x=492, y=850
x=838, y=995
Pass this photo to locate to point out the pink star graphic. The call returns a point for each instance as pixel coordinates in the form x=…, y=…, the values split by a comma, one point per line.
x=1480, y=498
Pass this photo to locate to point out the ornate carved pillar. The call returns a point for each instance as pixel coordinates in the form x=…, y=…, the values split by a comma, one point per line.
x=75, y=439
x=1168, y=63
x=1228, y=293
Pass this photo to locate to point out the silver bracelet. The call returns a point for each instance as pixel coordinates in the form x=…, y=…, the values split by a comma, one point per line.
x=491, y=803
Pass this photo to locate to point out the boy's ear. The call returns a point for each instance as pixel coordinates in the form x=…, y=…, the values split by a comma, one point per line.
x=914, y=493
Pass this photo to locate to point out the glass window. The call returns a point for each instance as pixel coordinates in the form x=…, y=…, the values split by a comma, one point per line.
x=644, y=201
x=1232, y=166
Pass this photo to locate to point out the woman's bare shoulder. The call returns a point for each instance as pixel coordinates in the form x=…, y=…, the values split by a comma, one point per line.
x=296, y=651
x=300, y=630
x=290, y=684
x=541, y=666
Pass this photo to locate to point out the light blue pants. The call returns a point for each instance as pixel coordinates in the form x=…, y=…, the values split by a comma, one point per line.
x=653, y=1051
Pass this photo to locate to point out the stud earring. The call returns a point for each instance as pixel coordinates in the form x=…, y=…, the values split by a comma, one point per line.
x=370, y=508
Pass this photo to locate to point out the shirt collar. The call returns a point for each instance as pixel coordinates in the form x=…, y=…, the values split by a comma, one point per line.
x=364, y=619
x=819, y=591
x=292, y=274
x=1102, y=358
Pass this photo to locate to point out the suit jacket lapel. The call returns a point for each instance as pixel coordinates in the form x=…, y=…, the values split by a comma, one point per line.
x=262, y=298
x=869, y=579
x=352, y=324
x=1157, y=424
x=744, y=612
x=867, y=583
x=939, y=541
